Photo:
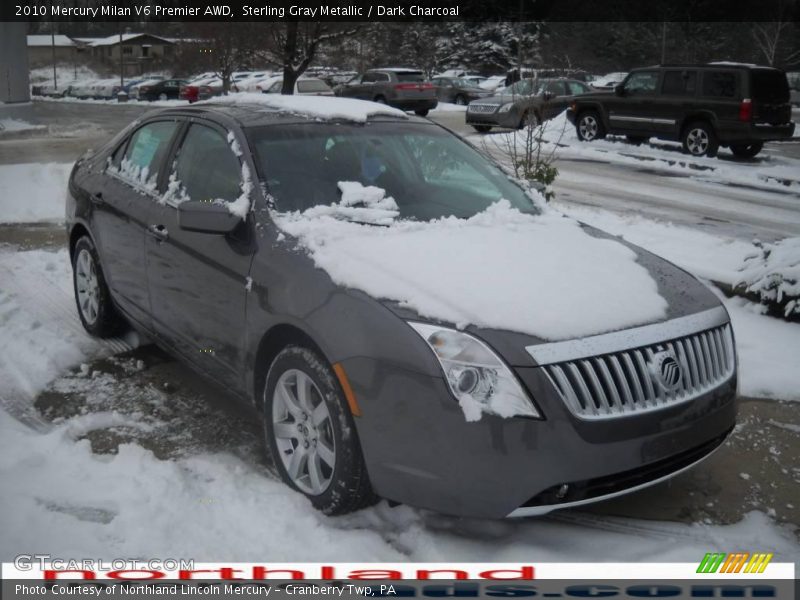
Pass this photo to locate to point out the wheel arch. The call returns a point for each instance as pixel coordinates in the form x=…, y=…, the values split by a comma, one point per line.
x=695, y=116
x=77, y=232
x=271, y=343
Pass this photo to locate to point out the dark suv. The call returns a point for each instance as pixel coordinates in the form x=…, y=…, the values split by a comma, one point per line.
x=405, y=89
x=703, y=106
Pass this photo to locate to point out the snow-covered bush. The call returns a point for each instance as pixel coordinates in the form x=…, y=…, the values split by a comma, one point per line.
x=773, y=274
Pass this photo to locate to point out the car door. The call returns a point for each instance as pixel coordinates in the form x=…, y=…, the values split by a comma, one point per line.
x=123, y=196
x=355, y=87
x=198, y=281
x=444, y=89
x=632, y=111
x=555, y=101
x=677, y=98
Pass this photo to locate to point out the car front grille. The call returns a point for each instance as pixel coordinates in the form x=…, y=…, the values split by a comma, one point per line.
x=476, y=107
x=645, y=378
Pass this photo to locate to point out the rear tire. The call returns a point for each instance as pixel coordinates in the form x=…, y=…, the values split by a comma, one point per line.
x=379, y=100
x=311, y=435
x=96, y=310
x=699, y=139
x=482, y=128
x=422, y=112
x=746, y=150
x=589, y=126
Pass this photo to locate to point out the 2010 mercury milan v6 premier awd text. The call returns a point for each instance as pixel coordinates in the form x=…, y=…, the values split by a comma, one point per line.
x=411, y=323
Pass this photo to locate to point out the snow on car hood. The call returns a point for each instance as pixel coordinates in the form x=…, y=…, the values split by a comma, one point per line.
x=542, y=275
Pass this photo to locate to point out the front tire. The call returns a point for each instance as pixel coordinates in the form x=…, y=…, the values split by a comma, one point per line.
x=746, y=150
x=92, y=296
x=422, y=112
x=699, y=139
x=482, y=128
x=461, y=100
x=311, y=435
x=162, y=97
x=589, y=126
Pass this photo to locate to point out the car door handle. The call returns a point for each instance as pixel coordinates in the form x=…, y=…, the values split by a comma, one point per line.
x=159, y=232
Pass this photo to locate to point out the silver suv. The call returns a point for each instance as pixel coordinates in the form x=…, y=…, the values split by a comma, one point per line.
x=405, y=89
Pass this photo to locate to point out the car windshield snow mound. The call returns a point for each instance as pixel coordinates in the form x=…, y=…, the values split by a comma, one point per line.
x=427, y=171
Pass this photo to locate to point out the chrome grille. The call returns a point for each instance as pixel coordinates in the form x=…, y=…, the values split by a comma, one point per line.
x=633, y=381
x=475, y=107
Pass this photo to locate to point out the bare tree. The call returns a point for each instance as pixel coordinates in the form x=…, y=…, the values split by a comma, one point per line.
x=294, y=45
x=226, y=47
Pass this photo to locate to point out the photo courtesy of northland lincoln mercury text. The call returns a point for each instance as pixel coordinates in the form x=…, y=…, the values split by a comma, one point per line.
x=395, y=298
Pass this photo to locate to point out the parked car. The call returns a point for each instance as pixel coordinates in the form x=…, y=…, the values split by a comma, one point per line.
x=256, y=83
x=492, y=83
x=189, y=225
x=529, y=101
x=457, y=90
x=405, y=89
x=475, y=80
x=794, y=87
x=167, y=89
x=608, y=81
x=702, y=106
x=305, y=86
x=194, y=92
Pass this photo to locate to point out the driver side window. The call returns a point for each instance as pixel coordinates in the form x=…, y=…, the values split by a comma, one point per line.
x=206, y=168
x=641, y=83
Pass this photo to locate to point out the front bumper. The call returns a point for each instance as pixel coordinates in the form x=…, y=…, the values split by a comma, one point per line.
x=420, y=450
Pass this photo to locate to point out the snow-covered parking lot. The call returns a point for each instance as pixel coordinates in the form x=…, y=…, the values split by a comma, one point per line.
x=114, y=448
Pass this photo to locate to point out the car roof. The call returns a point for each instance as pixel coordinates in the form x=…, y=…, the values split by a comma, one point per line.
x=258, y=114
x=710, y=65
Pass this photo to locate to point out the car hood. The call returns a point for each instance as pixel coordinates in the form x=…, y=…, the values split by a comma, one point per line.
x=683, y=293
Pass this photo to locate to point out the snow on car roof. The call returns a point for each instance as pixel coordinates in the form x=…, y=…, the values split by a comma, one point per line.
x=312, y=106
x=398, y=69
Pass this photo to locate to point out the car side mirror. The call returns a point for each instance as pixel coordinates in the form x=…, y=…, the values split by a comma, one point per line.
x=619, y=90
x=206, y=217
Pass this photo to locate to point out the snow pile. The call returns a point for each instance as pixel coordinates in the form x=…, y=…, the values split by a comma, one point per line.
x=241, y=206
x=320, y=107
x=359, y=203
x=14, y=125
x=774, y=275
x=542, y=275
x=136, y=176
x=32, y=192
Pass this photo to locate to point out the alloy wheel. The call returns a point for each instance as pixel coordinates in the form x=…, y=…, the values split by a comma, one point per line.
x=588, y=127
x=697, y=141
x=87, y=286
x=303, y=432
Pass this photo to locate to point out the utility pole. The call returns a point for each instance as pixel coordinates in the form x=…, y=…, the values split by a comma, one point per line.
x=53, y=46
x=121, y=76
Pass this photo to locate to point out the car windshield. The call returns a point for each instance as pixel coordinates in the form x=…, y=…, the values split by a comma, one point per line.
x=429, y=172
x=526, y=87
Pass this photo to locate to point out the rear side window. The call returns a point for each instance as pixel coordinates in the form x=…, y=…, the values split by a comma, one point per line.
x=576, y=88
x=145, y=153
x=374, y=77
x=206, y=168
x=642, y=83
x=769, y=85
x=411, y=76
x=720, y=84
x=312, y=85
x=679, y=83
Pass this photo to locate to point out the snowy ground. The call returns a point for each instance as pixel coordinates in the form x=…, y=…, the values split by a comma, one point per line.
x=114, y=450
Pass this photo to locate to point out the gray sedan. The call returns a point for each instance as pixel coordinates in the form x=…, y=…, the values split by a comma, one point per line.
x=529, y=101
x=310, y=256
x=458, y=90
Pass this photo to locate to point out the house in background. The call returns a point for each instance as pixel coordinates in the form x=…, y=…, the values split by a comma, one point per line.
x=139, y=52
x=40, y=50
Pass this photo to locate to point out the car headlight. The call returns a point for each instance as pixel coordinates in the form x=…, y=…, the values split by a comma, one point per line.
x=478, y=378
x=506, y=107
